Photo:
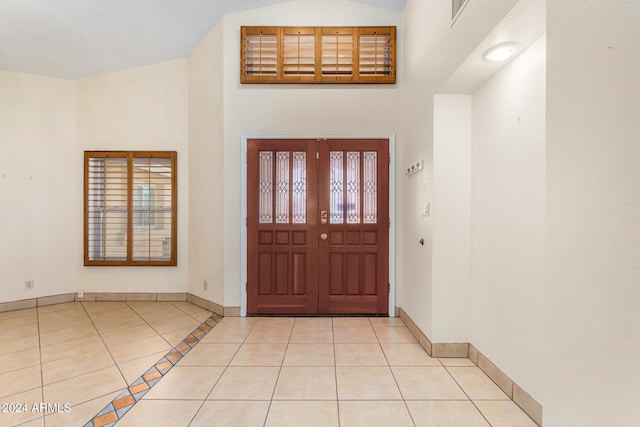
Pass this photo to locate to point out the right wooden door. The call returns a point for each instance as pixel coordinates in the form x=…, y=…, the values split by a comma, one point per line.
x=353, y=227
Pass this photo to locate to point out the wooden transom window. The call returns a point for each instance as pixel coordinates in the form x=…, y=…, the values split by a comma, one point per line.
x=318, y=55
x=130, y=206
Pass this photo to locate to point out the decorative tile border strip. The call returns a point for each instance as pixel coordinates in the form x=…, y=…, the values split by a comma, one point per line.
x=129, y=397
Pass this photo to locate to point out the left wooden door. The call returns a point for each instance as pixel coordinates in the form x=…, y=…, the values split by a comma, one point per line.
x=282, y=224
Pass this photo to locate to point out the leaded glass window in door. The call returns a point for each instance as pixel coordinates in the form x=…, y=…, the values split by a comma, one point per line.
x=282, y=187
x=353, y=187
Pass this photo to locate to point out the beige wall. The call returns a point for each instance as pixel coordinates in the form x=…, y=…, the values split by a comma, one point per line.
x=319, y=110
x=206, y=153
x=141, y=109
x=40, y=209
x=592, y=299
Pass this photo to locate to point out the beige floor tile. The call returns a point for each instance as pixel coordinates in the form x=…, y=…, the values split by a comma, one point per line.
x=227, y=335
x=63, y=321
x=374, y=414
x=280, y=322
x=359, y=355
x=408, y=355
x=168, y=312
x=259, y=355
x=97, y=307
x=386, y=321
x=476, y=383
x=27, y=312
x=77, y=365
x=170, y=413
x=182, y=322
x=366, y=383
x=205, y=354
x=312, y=334
x=200, y=316
x=80, y=414
x=68, y=334
x=316, y=322
x=351, y=321
x=39, y=422
x=71, y=348
x=20, y=359
x=354, y=335
x=19, y=344
x=237, y=322
x=18, y=332
x=304, y=383
x=425, y=383
x=177, y=336
x=144, y=347
x=456, y=361
x=446, y=413
x=20, y=380
x=126, y=335
x=148, y=306
x=133, y=369
x=85, y=387
x=394, y=334
x=246, y=383
x=118, y=323
x=302, y=414
x=186, y=382
x=504, y=414
x=309, y=355
x=21, y=410
x=269, y=335
x=16, y=322
x=231, y=414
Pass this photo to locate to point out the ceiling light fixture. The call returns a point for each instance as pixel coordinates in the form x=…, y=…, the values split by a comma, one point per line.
x=499, y=53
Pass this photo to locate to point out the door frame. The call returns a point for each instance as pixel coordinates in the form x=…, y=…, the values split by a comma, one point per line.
x=243, y=206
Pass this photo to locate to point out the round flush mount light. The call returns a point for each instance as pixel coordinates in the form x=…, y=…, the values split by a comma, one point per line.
x=498, y=53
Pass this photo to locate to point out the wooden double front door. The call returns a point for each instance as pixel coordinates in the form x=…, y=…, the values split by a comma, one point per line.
x=318, y=226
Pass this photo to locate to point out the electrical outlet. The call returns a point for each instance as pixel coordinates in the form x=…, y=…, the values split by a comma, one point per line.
x=28, y=284
x=80, y=293
x=206, y=285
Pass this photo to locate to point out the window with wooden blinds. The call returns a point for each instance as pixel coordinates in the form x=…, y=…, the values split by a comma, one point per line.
x=260, y=53
x=337, y=54
x=130, y=204
x=299, y=54
x=376, y=53
x=318, y=55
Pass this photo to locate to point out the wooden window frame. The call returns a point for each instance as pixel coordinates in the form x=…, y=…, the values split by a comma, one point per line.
x=172, y=260
x=273, y=70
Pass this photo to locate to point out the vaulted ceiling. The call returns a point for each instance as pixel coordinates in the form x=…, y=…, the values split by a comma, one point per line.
x=73, y=39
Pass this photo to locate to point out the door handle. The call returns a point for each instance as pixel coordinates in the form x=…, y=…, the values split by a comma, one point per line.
x=323, y=236
x=324, y=215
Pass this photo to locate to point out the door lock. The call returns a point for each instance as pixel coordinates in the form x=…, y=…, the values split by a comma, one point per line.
x=324, y=215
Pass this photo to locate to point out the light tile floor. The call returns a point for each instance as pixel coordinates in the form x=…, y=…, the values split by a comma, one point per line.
x=267, y=371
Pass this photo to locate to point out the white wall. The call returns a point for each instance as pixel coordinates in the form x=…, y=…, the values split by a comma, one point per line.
x=452, y=292
x=508, y=218
x=592, y=300
x=433, y=50
x=206, y=152
x=289, y=110
x=141, y=109
x=41, y=213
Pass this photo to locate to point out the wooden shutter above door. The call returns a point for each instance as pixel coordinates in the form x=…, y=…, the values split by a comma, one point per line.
x=318, y=55
x=260, y=53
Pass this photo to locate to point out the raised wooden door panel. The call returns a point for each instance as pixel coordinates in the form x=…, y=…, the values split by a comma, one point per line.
x=282, y=259
x=354, y=226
